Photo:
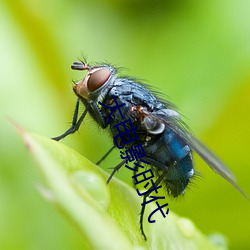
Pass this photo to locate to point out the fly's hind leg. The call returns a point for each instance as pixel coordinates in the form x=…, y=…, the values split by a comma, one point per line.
x=158, y=181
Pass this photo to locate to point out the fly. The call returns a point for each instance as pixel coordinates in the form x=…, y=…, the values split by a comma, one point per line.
x=167, y=142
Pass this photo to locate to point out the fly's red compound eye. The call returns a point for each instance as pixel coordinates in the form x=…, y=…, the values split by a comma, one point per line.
x=97, y=79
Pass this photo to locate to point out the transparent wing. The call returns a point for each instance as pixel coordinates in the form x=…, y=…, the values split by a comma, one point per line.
x=174, y=123
x=212, y=160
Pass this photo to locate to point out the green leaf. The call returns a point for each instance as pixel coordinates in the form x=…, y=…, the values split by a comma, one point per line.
x=106, y=215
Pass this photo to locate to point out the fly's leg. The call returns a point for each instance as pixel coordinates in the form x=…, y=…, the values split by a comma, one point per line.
x=158, y=181
x=75, y=124
x=135, y=172
x=115, y=170
x=98, y=114
x=105, y=156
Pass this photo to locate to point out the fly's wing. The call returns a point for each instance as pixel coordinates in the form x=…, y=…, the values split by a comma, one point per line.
x=212, y=160
x=174, y=123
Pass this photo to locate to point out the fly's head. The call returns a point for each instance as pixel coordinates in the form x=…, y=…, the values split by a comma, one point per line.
x=96, y=79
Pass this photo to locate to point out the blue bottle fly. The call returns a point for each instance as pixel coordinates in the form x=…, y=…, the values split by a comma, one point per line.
x=167, y=143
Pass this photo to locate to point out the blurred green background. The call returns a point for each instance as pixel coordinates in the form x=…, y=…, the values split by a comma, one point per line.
x=196, y=52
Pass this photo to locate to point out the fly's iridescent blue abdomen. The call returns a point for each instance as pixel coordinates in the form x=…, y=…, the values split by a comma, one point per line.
x=170, y=155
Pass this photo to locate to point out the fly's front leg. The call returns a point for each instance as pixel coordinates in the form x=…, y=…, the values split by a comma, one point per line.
x=75, y=124
x=100, y=118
